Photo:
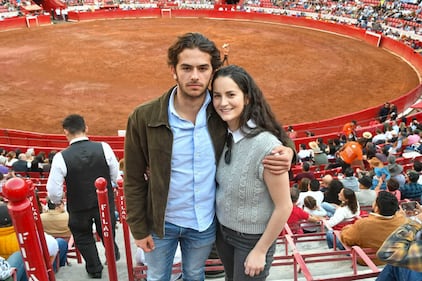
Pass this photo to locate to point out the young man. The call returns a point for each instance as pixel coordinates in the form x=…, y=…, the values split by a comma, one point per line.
x=79, y=166
x=371, y=232
x=172, y=146
x=55, y=221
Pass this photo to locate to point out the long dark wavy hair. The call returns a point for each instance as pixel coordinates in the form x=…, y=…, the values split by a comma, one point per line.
x=351, y=200
x=257, y=108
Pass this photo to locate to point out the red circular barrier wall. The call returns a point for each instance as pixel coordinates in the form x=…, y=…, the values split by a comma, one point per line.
x=103, y=69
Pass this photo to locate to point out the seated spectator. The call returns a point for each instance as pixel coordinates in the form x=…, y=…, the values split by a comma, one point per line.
x=366, y=196
x=417, y=166
x=47, y=165
x=291, y=132
x=303, y=154
x=121, y=168
x=8, y=240
x=306, y=173
x=413, y=138
x=400, y=144
x=393, y=187
x=313, y=190
x=331, y=197
x=411, y=189
x=349, y=209
x=303, y=187
x=9, y=246
x=390, y=132
x=11, y=158
x=331, y=149
x=55, y=220
x=383, y=154
x=2, y=182
x=61, y=243
x=325, y=182
x=298, y=214
x=15, y=260
x=3, y=157
x=371, y=232
x=370, y=150
x=393, y=112
x=21, y=165
x=309, y=133
x=414, y=124
x=9, y=243
x=3, y=169
x=5, y=270
x=384, y=112
x=30, y=154
x=396, y=172
x=318, y=156
x=311, y=207
x=37, y=163
x=321, y=144
x=379, y=137
x=53, y=249
x=379, y=171
x=349, y=180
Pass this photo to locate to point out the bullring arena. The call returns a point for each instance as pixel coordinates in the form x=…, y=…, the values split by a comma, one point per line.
x=317, y=75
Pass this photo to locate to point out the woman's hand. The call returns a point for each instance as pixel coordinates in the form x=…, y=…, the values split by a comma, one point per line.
x=254, y=263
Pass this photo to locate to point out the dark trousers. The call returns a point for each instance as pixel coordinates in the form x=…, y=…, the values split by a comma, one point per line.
x=233, y=247
x=339, y=163
x=80, y=224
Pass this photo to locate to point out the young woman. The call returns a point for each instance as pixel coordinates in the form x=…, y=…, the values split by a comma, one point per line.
x=252, y=205
x=349, y=207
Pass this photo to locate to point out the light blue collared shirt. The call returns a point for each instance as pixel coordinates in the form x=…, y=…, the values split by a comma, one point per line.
x=191, y=196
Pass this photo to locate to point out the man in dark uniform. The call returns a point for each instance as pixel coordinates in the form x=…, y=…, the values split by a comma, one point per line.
x=79, y=166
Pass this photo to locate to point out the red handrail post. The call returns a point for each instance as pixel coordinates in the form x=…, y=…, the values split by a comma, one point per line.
x=106, y=225
x=16, y=190
x=37, y=219
x=126, y=235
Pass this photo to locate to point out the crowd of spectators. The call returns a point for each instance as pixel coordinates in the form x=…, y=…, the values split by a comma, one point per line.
x=397, y=19
x=363, y=205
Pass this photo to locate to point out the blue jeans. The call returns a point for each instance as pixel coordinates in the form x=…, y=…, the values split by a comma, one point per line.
x=62, y=252
x=330, y=241
x=196, y=247
x=16, y=260
x=330, y=209
x=395, y=273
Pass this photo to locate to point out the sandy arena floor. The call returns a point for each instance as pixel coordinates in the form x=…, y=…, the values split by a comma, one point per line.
x=103, y=69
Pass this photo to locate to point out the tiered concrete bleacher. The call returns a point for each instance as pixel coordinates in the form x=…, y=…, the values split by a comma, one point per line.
x=306, y=254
